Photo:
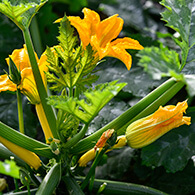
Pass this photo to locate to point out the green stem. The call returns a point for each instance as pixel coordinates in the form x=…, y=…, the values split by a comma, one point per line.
x=34, y=29
x=24, y=141
x=16, y=185
x=92, y=169
x=76, y=138
x=20, y=112
x=39, y=83
x=28, y=188
x=124, y=119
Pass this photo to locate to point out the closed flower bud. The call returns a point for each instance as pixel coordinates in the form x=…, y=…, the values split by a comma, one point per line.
x=148, y=129
x=90, y=155
x=14, y=74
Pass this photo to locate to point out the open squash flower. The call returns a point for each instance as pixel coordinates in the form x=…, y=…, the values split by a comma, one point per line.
x=148, y=129
x=27, y=85
x=100, y=34
x=27, y=156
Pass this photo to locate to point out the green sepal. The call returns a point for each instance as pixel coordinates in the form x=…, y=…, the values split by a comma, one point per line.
x=14, y=74
x=87, y=108
x=21, y=12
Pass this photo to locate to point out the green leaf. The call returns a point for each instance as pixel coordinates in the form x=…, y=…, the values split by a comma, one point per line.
x=159, y=62
x=173, y=150
x=180, y=16
x=86, y=109
x=77, y=64
x=21, y=12
x=10, y=168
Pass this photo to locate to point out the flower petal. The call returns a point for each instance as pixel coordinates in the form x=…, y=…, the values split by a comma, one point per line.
x=83, y=29
x=20, y=58
x=127, y=43
x=109, y=29
x=101, y=51
x=6, y=84
x=28, y=86
x=121, y=54
x=92, y=19
x=146, y=130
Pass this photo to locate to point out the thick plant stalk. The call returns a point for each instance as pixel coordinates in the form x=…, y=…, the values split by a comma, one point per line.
x=20, y=112
x=39, y=84
x=34, y=29
x=76, y=138
x=148, y=104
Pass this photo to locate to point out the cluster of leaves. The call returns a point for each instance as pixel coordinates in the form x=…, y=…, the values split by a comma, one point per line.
x=71, y=72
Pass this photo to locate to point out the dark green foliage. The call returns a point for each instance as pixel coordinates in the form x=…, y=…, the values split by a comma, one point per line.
x=180, y=17
x=159, y=62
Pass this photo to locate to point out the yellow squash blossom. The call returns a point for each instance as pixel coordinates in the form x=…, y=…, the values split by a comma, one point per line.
x=100, y=34
x=148, y=129
x=90, y=155
x=28, y=85
x=29, y=157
